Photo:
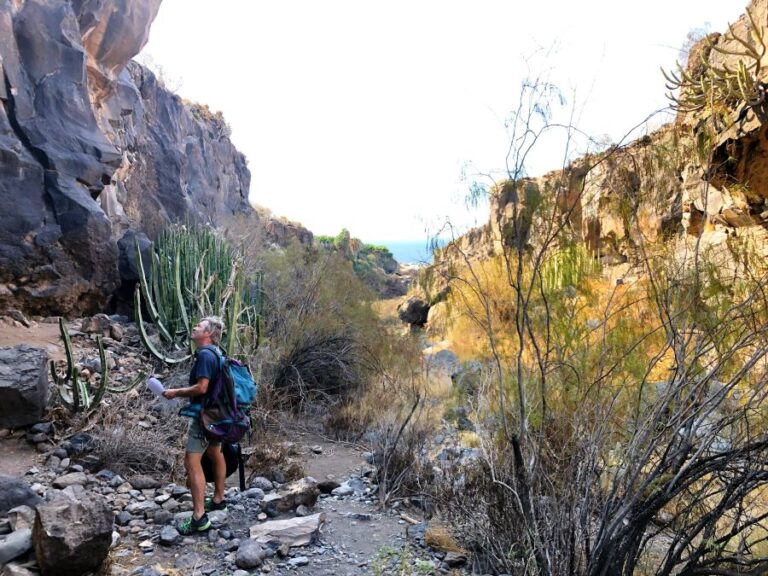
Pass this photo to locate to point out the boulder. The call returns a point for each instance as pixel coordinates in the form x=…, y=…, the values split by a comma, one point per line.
x=23, y=385
x=15, y=544
x=72, y=537
x=302, y=492
x=455, y=559
x=13, y=569
x=250, y=554
x=413, y=311
x=144, y=482
x=292, y=532
x=343, y=490
x=71, y=479
x=262, y=483
x=98, y=324
x=169, y=536
x=21, y=517
x=15, y=492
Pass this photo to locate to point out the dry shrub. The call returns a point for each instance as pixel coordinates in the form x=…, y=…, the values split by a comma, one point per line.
x=318, y=366
x=270, y=455
x=136, y=434
x=323, y=338
x=483, y=512
x=439, y=537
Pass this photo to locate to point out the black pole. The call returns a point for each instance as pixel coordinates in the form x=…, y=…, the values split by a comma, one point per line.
x=241, y=467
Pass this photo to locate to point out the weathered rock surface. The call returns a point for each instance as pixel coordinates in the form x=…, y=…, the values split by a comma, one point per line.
x=71, y=479
x=72, y=537
x=21, y=517
x=15, y=544
x=250, y=554
x=23, y=385
x=13, y=569
x=93, y=146
x=292, y=532
x=144, y=482
x=303, y=492
x=15, y=492
x=656, y=190
x=414, y=311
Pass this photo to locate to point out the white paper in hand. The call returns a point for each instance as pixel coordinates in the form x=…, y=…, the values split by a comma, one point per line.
x=155, y=386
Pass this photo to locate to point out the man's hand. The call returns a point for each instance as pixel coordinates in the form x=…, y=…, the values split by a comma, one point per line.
x=196, y=390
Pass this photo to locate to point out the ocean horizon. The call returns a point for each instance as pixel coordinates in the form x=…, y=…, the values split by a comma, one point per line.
x=408, y=251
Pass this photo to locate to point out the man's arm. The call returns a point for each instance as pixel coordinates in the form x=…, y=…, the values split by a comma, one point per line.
x=198, y=389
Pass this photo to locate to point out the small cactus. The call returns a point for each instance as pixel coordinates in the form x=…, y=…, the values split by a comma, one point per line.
x=726, y=85
x=72, y=390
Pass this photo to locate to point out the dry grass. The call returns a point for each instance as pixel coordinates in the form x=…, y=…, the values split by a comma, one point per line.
x=439, y=537
x=269, y=454
x=133, y=439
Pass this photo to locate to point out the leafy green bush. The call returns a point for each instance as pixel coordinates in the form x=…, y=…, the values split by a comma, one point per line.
x=323, y=338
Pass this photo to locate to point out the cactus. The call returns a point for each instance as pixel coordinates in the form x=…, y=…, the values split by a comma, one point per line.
x=145, y=338
x=724, y=85
x=72, y=391
x=194, y=274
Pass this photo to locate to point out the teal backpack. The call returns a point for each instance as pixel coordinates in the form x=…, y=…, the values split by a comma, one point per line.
x=239, y=375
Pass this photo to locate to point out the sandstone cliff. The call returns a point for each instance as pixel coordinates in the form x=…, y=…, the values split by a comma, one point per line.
x=706, y=174
x=95, y=150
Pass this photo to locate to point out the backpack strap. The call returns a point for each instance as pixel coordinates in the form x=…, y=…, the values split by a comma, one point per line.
x=226, y=385
x=216, y=350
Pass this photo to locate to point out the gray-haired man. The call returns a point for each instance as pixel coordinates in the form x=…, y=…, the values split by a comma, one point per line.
x=205, y=370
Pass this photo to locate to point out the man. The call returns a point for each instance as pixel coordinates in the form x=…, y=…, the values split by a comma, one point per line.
x=204, y=372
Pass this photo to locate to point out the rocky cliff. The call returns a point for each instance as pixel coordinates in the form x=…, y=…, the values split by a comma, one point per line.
x=704, y=175
x=95, y=150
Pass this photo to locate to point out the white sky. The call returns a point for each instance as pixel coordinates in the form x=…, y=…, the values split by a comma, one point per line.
x=361, y=114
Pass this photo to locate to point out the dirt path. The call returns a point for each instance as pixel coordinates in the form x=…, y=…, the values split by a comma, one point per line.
x=41, y=335
x=356, y=534
x=16, y=455
x=357, y=537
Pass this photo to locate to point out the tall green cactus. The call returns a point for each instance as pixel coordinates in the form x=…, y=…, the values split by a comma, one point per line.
x=195, y=273
x=75, y=393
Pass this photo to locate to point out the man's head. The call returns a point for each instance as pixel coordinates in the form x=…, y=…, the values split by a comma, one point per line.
x=207, y=331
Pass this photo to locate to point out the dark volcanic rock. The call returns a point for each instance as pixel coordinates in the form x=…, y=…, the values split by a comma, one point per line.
x=94, y=147
x=23, y=385
x=56, y=243
x=15, y=492
x=72, y=537
x=414, y=311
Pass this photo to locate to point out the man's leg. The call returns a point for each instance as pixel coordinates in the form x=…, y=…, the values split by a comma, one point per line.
x=216, y=456
x=196, y=478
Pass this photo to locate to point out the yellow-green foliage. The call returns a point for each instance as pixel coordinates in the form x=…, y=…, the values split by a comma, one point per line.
x=600, y=340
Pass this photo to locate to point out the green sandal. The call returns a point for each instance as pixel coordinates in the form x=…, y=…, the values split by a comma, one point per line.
x=191, y=526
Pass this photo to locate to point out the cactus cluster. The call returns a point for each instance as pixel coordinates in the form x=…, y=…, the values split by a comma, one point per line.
x=723, y=85
x=568, y=267
x=195, y=273
x=76, y=392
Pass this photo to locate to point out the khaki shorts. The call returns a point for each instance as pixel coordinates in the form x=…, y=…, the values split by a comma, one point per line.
x=197, y=442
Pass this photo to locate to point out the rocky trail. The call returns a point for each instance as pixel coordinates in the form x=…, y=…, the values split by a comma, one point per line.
x=64, y=501
x=345, y=532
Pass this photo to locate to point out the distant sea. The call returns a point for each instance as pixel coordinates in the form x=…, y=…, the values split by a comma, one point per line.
x=409, y=252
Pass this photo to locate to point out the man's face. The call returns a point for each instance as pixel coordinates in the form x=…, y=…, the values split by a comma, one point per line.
x=200, y=332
